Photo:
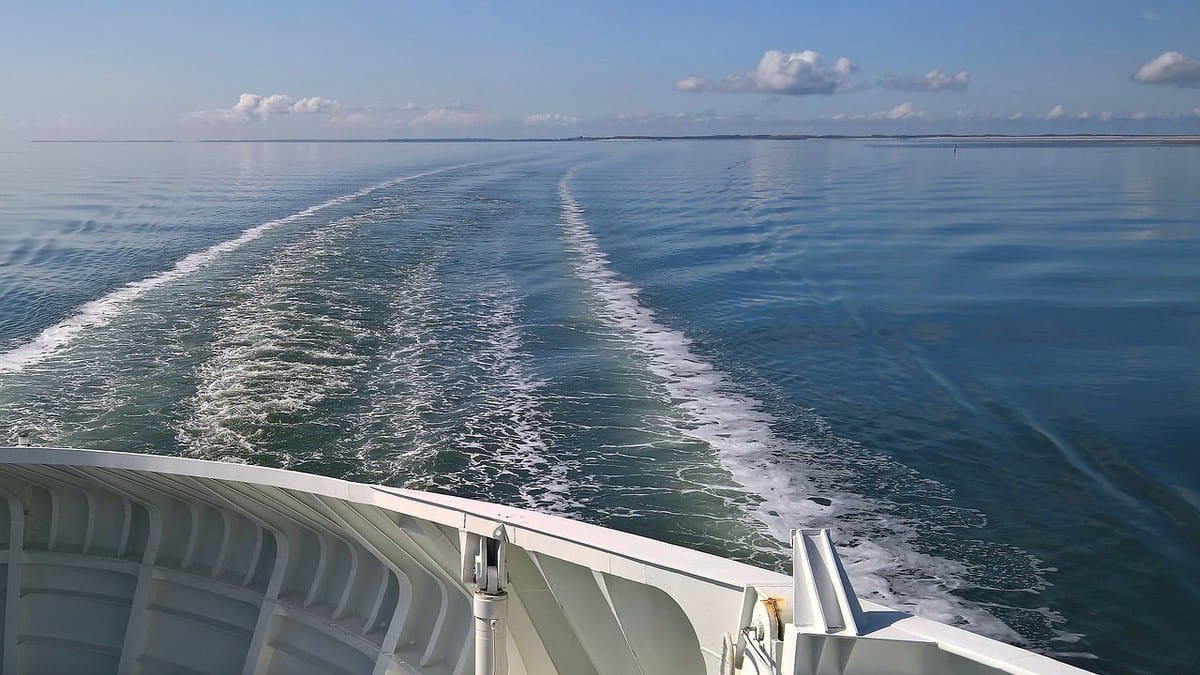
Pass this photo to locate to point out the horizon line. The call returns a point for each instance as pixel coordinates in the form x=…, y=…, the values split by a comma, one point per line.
x=625, y=137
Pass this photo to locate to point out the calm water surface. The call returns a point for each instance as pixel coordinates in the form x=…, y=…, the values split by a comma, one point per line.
x=983, y=369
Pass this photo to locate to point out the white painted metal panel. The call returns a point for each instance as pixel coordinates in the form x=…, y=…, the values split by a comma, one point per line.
x=143, y=564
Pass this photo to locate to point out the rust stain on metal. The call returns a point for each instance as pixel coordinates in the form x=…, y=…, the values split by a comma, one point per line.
x=772, y=605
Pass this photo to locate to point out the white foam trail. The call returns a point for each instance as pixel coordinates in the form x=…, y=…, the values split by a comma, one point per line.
x=247, y=381
x=504, y=429
x=393, y=432
x=101, y=310
x=735, y=426
x=739, y=431
x=523, y=445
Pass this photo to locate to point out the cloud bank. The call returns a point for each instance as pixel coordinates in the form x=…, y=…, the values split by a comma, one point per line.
x=904, y=111
x=550, y=120
x=933, y=81
x=782, y=73
x=1170, y=68
x=451, y=116
x=256, y=108
x=805, y=73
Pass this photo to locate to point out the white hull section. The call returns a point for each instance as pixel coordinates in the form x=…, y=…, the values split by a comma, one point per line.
x=144, y=564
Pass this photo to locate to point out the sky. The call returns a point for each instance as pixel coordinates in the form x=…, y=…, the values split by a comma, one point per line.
x=371, y=69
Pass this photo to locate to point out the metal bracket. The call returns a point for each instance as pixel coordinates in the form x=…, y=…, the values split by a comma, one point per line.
x=491, y=567
x=823, y=600
x=484, y=566
x=775, y=619
x=484, y=563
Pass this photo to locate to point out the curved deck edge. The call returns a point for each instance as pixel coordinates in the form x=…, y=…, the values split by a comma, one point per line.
x=682, y=574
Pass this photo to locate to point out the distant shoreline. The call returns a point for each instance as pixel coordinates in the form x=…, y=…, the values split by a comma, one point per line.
x=1181, y=139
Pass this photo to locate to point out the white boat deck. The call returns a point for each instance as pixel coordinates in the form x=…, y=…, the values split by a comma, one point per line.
x=145, y=564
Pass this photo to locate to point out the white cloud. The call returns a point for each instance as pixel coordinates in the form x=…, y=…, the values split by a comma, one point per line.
x=454, y=115
x=1059, y=113
x=253, y=107
x=694, y=83
x=792, y=73
x=262, y=107
x=800, y=73
x=701, y=121
x=1150, y=15
x=904, y=111
x=934, y=80
x=315, y=104
x=550, y=120
x=1170, y=68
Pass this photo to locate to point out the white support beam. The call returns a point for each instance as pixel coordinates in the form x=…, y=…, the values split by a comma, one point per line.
x=195, y=521
x=385, y=576
x=386, y=663
x=367, y=523
x=318, y=577
x=343, y=604
x=228, y=524
x=12, y=603
x=260, y=542
x=55, y=517
x=598, y=577
x=143, y=596
x=259, y=654
x=89, y=534
x=126, y=526
x=356, y=521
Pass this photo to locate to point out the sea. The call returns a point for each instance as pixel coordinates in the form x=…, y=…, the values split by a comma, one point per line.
x=979, y=365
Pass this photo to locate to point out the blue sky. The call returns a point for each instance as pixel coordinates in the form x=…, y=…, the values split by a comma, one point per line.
x=370, y=69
